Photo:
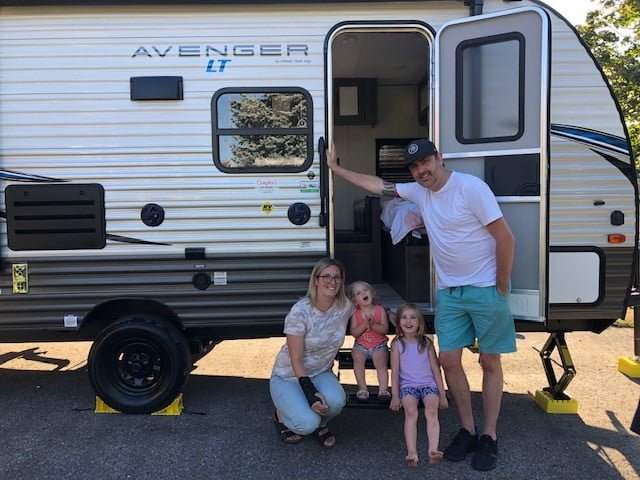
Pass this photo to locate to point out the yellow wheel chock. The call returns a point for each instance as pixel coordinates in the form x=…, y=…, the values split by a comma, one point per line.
x=175, y=408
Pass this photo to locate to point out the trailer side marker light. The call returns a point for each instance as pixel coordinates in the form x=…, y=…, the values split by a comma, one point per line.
x=616, y=238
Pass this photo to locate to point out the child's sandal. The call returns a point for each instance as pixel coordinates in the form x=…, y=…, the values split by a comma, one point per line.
x=384, y=396
x=362, y=395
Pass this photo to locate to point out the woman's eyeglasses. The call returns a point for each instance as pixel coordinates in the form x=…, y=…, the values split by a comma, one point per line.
x=330, y=279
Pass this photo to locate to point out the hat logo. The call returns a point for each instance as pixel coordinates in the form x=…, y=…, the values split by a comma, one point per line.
x=413, y=148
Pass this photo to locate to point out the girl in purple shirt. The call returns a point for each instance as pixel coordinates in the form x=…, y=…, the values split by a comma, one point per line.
x=415, y=376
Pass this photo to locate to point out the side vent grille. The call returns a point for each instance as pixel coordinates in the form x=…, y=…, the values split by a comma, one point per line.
x=57, y=216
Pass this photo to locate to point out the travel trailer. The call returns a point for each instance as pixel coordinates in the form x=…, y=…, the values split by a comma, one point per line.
x=164, y=181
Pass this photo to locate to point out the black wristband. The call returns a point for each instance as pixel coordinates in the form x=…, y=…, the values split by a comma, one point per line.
x=309, y=390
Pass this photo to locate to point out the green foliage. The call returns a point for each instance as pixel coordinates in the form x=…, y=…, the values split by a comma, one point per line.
x=269, y=111
x=613, y=34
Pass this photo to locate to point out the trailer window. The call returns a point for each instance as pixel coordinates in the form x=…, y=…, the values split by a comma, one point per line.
x=259, y=129
x=490, y=89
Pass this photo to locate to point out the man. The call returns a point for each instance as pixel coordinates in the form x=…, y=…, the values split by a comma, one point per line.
x=472, y=248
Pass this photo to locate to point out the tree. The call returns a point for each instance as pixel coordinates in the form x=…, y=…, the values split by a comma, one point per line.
x=613, y=34
x=269, y=111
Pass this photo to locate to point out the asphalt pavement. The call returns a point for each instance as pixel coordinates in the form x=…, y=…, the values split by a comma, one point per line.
x=48, y=429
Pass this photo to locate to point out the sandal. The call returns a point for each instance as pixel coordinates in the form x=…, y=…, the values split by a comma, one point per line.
x=384, y=396
x=324, y=437
x=362, y=395
x=286, y=435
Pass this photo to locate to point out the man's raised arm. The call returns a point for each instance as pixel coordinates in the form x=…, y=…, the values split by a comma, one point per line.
x=371, y=183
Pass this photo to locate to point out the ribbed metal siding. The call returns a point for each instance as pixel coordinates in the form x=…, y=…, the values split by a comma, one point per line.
x=260, y=289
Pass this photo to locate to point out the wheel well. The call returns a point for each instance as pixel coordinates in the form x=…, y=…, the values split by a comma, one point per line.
x=108, y=312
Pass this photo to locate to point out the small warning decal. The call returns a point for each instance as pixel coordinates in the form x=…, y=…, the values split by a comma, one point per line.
x=267, y=208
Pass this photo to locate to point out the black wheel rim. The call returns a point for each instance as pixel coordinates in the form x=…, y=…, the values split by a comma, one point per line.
x=139, y=366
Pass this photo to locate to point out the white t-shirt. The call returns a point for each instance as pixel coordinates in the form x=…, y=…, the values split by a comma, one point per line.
x=323, y=336
x=464, y=252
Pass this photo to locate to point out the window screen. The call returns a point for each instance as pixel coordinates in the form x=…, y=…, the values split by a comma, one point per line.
x=262, y=130
x=490, y=89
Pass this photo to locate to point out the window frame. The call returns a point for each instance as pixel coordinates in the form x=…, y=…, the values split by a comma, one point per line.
x=459, y=82
x=217, y=132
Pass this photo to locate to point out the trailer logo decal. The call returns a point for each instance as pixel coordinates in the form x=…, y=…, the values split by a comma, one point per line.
x=267, y=186
x=244, y=50
x=282, y=53
x=217, y=67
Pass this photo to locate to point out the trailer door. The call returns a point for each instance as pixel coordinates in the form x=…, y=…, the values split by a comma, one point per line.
x=491, y=97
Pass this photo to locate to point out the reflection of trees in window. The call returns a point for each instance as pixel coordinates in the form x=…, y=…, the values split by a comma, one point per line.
x=265, y=112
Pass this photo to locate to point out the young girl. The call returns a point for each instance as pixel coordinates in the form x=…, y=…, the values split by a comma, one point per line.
x=415, y=376
x=370, y=326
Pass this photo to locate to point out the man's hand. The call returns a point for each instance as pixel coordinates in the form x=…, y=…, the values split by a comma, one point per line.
x=332, y=157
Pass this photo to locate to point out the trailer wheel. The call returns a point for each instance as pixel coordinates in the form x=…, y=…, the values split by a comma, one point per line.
x=140, y=364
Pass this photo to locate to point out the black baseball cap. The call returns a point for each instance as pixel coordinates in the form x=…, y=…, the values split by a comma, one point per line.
x=417, y=150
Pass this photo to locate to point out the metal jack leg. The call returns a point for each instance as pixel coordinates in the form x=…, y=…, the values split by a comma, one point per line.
x=553, y=398
x=630, y=366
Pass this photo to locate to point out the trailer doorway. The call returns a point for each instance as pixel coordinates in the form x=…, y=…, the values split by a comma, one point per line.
x=380, y=98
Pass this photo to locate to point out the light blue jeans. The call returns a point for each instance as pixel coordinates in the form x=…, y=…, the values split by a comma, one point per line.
x=295, y=412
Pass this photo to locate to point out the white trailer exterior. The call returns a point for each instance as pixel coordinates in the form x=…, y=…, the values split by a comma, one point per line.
x=131, y=208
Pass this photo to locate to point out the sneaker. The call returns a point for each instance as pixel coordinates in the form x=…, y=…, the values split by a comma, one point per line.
x=486, y=455
x=460, y=446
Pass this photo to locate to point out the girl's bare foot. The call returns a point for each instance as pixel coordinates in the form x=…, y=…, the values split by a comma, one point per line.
x=434, y=457
x=412, y=460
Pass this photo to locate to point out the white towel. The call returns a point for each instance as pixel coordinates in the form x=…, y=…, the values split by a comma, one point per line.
x=401, y=216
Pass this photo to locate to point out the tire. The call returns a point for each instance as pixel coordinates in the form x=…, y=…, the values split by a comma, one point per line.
x=140, y=364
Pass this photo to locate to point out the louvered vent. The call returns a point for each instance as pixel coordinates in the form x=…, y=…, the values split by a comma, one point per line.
x=59, y=216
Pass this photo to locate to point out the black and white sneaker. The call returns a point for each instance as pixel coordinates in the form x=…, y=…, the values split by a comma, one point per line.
x=486, y=455
x=462, y=444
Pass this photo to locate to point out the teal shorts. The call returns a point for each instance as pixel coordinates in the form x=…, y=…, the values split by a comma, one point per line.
x=467, y=313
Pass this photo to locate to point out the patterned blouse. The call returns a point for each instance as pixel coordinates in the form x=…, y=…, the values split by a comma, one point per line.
x=323, y=336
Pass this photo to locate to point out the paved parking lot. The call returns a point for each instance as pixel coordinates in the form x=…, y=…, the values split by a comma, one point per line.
x=49, y=430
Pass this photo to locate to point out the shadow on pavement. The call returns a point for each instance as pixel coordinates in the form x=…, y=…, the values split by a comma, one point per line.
x=47, y=420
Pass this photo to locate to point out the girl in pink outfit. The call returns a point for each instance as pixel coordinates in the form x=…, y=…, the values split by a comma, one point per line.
x=415, y=376
x=369, y=325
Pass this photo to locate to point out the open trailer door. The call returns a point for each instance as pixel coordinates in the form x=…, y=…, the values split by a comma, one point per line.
x=491, y=97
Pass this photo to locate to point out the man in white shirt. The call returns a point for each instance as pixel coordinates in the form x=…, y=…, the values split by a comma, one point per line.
x=472, y=248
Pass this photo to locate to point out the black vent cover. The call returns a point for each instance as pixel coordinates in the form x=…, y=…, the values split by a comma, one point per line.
x=58, y=216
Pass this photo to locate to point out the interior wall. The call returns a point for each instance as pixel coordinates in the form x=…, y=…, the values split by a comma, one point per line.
x=356, y=144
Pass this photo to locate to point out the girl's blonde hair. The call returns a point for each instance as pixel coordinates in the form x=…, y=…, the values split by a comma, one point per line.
x=423, y=340
x=312, y=290
x=362, y=283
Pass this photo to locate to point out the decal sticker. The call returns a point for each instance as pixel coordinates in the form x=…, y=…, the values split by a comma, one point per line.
x=71, y=321
x=267, y=186
x=309, y=187
x=305, y=244
x=267, y=208
x=219, y=278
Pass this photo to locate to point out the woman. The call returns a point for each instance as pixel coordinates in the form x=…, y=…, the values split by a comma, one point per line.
x=304, y=389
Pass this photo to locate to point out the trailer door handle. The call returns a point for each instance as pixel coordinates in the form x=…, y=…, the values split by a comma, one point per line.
x=324, y=171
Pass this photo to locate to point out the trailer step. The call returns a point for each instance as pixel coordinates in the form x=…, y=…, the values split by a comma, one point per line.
x=373, y=403
x=175, y=408
x=546, y=402
x=629, y=366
